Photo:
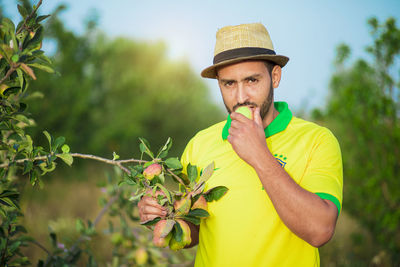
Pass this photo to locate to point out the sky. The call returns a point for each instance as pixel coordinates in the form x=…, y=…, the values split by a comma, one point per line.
x=306, y=31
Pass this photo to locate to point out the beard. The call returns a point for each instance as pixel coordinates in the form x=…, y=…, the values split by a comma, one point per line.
x=265, y=106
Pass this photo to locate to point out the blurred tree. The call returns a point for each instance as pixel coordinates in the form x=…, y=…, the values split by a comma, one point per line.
x=364, y=112
x=112, y=91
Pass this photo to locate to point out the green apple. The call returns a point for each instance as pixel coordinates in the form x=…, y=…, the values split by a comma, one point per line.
x=245, y=111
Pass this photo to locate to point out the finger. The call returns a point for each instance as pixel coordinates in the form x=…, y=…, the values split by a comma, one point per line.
x=235, y=124
x=257, y=117
x=150, y=213
x=230, y=138
x=150, y=210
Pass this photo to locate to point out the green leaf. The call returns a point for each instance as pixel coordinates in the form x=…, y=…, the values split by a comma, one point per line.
x=67, y=158
x=136, y=197
x=164, y=150
x=34, y=43
x=53, y=238
x=22, y=10
x=161, y=178
x=41, y=18
x=20, y=78
x=15, y=58
x=198, y=213
x=8, y=25
x=184, y=209
x=142, y=148
x=27, y=166
x=58, y=142
x=151, y=222
x=14, y=246
x=42, y=67
x=44, y=58
x=207, y=172
x=80, y=226
x=130, y=181
x=169, y=225
x=178, y=233
x=166, y=192
x=215, y=193
x=138, y=168
x=11, y=90
x=192, y=172
x=22, y=107
x=22, y=118
x=65, y=148
x=19, y=229
x=115, y=156
x=194, y=220
x=9, y=193
x=49, y=138
x=47, y=168
x=145, y=147
x=7, y=202
x=173, y=163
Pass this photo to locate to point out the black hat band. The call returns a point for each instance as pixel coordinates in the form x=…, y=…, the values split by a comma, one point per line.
x=242, y=52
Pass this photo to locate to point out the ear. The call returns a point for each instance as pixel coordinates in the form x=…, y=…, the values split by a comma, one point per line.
x=276, y=76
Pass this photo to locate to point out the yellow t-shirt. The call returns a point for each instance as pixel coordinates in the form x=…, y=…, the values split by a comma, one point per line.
x=243, y=228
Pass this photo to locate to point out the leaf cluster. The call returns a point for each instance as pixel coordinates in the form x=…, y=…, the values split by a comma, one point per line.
x=363, y=111
x=20, y=56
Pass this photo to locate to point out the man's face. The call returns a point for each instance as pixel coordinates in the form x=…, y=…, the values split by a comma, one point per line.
x=246, y=84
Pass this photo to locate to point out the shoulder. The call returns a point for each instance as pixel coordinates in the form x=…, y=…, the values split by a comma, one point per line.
x=212, y=133
x=313, y=137
x=203, y=140
x=308, y=128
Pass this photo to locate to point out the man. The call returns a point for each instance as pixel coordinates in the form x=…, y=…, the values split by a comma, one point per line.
x=284, y=174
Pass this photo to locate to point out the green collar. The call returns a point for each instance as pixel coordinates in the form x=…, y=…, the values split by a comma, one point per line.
x=277, y=125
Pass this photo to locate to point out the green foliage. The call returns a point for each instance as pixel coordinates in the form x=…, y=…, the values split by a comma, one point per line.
x=113, y=91
x=364, y=113
x=20, y=56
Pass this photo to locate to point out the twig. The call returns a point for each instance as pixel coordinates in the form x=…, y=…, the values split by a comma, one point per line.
x=40, y=246
x=117, y=163
x=108, y=161
x=9, y=72
x=30, y=16
x=104, y=209
x=177, y=178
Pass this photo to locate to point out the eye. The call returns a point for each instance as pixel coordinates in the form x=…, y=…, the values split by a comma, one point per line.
x=228, y=83
x=252, y=80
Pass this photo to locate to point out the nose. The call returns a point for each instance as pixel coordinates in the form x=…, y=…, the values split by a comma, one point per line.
x=241, y=95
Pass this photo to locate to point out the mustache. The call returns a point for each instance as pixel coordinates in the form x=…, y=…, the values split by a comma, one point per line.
x=247, y=103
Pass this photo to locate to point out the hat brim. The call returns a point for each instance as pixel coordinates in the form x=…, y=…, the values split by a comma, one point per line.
x=211, y=72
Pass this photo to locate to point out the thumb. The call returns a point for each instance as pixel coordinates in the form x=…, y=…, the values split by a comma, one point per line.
x=257, y=117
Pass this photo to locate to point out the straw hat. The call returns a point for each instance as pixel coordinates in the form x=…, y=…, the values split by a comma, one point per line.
x=242, y=42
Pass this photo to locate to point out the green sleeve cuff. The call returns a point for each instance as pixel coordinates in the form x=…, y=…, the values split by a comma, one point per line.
x=331, y=198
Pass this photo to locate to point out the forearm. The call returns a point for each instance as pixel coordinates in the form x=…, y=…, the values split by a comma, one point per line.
x=308, y=216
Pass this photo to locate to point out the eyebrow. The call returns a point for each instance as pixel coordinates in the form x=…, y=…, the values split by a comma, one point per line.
x=256, y=75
